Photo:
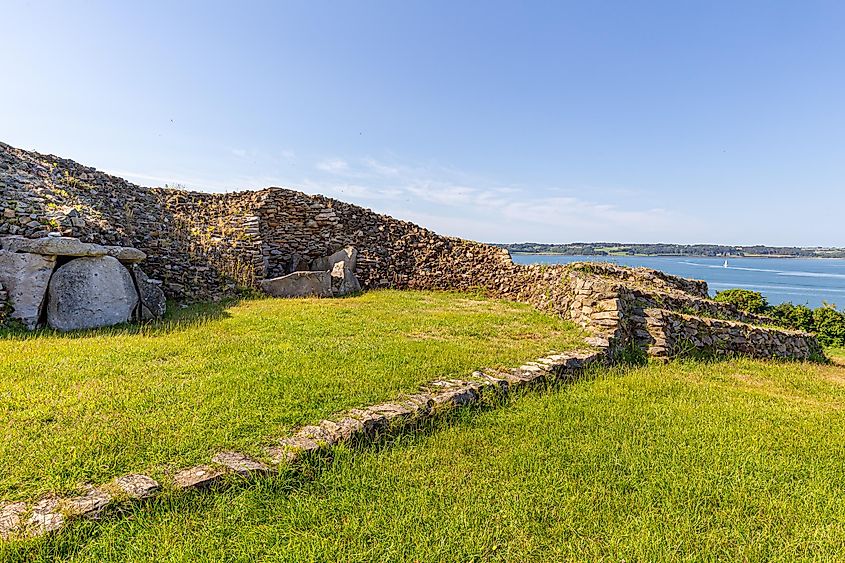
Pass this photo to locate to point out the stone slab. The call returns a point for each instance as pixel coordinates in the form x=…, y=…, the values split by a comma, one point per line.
x=11, y=517
x=197, y=477
x=299, y=284
x=240, y=463
x=126, y=254
x=153, y=303
x=137, y=486
x=53, y=246
x=25, y=278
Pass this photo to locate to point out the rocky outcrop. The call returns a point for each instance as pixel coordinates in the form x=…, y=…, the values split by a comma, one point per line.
x=90, y=292
x=25, y=278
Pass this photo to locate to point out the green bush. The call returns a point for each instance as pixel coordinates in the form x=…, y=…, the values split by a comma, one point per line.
x=744, y=299
x=830, y=326
x=798, y=317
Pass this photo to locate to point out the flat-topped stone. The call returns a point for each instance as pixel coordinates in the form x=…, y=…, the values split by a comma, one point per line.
x=240, y=463
x=299, y=284
x=11, y=516
x=70, y=246
x=197, y=477
x=137, y=486
x=53, y=246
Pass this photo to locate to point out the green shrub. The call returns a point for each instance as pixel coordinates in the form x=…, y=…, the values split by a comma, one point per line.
x=830, y=326
x=798, y=317
x=744, y=299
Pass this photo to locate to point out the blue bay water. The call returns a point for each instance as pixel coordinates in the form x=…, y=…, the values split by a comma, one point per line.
x=808, y=281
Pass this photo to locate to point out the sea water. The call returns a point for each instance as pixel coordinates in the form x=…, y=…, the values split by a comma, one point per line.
x=806, y=281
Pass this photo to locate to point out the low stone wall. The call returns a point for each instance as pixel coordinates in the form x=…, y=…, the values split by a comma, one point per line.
x=654, y=279
x=674, y=334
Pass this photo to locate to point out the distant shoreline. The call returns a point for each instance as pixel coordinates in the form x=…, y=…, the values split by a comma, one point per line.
x=611, y=249
x=522, y=253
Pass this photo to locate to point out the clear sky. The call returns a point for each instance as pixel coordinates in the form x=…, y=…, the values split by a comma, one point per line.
x=676, y=121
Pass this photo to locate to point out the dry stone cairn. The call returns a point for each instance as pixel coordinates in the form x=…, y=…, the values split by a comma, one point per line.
x=68, y=284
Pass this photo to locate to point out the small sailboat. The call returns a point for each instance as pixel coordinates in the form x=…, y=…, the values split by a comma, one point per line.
x=726, y=264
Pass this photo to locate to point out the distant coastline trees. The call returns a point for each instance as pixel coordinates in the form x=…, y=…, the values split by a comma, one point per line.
x=660, y=249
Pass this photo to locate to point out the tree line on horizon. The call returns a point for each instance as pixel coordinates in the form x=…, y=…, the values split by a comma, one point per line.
x=664, y=249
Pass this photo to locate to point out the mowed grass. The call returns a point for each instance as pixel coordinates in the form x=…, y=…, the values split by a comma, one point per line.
x=87, y=407
x=737, y=461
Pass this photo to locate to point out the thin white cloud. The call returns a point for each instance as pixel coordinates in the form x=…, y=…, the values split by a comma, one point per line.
x=459, y=204
x=333, y=166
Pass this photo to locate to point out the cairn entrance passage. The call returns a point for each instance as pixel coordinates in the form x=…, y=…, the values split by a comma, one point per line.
x=66, y=284
x=328, y=276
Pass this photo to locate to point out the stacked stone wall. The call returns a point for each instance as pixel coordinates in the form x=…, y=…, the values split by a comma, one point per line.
x=672, y=334
x=202, y=246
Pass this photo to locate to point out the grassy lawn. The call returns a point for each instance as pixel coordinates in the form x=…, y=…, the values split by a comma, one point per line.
x=738, y=460
x=837, y=355
x=91, y=406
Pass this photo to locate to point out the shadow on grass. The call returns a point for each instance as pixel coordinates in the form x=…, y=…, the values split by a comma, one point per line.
x=177, y=318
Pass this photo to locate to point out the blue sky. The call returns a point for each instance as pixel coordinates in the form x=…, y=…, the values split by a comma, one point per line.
x=673, y=121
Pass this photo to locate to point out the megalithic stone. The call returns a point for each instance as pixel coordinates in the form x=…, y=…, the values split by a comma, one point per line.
x=25, y=278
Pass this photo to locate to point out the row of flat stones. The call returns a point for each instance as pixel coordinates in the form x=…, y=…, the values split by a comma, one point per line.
x=19, y=519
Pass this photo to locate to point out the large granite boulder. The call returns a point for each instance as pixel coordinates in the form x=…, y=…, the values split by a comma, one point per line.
x=25, y=278
x=344, y=281
x=153, y=303
x=90, y=292
x=299, y=284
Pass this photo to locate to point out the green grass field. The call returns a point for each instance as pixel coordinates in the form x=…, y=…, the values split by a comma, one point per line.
x=737, y=460
x=91, y=406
